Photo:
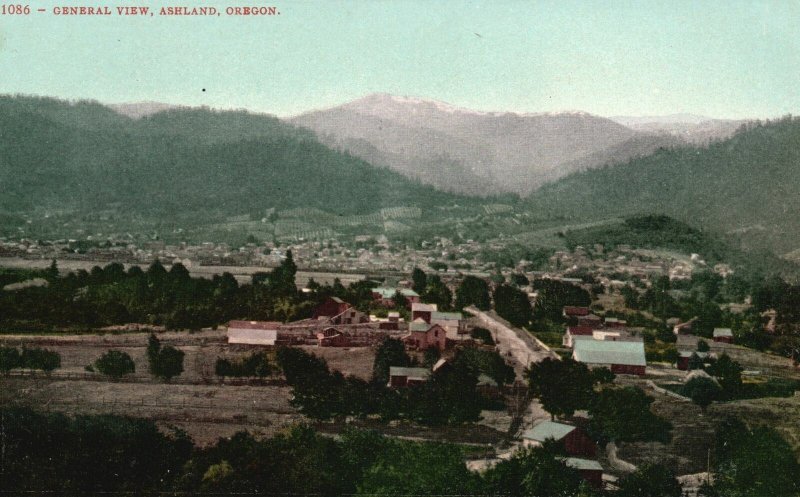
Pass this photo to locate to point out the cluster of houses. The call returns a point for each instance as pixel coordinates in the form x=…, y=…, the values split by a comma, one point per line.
x=607, y=342
x=336, y=323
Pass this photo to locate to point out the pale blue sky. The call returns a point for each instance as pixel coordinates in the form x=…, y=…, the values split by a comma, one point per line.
x=721, y=59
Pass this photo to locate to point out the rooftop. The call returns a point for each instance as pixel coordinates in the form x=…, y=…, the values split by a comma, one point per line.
x=723, y=332
x=446, y=315
x=609, y=352
x=546, y=430
x=413, y=373
x=582, y=464
x=254, y=325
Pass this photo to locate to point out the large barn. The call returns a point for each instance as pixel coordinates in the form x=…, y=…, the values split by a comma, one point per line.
x=622, y=357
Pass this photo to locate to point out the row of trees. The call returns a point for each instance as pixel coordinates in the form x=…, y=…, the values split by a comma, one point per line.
x=28, y=358
x=112, y=454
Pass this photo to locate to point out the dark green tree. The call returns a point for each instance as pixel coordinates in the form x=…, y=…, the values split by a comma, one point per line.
x=702, y=391
x=512, y=305
x=623, y=414
x=532, y=472
x=473, y=291
x=419, y=280
x=436, y=292
x=115, y=364
x=9, y=359
x=729, y=374
x=391, y=352
x=650, y=480
x=562, y=386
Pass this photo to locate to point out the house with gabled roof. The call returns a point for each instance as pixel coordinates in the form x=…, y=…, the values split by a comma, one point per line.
x=574, y=440
x=423, y=336
x=452, y=322
x=423, y=311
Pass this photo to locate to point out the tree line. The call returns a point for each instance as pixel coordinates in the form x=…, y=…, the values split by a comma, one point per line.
x=115, y=454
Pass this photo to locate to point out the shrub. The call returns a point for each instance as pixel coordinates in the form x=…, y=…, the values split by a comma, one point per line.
x=115, y=364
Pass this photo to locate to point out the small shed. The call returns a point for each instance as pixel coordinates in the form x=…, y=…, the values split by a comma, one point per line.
x=401, y=377
x=723, y=335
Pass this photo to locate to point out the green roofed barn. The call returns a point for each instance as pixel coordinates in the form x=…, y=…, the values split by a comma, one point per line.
x=622, y=357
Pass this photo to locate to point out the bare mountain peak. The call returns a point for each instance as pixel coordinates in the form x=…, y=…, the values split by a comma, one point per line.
x=389, y=105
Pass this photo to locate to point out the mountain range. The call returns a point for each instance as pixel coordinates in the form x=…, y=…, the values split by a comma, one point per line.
x=140, y=166
x=474, y=152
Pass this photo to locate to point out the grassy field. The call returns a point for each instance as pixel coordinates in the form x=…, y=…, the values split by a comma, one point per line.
x=197, y=401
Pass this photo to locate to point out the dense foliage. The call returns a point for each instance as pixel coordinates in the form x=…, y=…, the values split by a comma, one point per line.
x=256, y=364
x=28, y=358
x=623, y=414
x=512, y=305
x=183, y=165
x=736, y=184
x=115, y=364
x=565, y=386
x=164, y=362
x=448, y=397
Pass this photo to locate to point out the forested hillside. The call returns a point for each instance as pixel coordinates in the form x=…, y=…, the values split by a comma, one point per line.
x=747, y=186
x=192, y=164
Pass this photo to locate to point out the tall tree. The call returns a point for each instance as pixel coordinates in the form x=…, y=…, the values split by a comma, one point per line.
x=419, y=280
x=513, y=305
x=473, y=291
x=562, y=387
x=391, y=352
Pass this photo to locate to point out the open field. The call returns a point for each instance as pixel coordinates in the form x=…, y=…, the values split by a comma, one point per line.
x=197, y=401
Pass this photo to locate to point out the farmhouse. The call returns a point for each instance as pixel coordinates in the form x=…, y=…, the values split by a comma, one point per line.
x=723, y=335
x=452, y=322
x=407, y=377
x=253, y=332
x=623, y=357
x=337, y=311
x=424, y=335
x=573, y=439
